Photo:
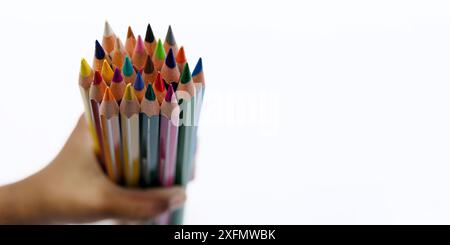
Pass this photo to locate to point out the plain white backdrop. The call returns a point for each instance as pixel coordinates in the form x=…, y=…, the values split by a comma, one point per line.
x=316, y=112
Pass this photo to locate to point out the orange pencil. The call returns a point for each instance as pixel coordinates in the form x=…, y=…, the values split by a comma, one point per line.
x=108, y=38
x=109, y=116
x=130, y=42
x=118, y=54
x=181, y=59
x=159, y=88
x=149, y=73
x=140, y=55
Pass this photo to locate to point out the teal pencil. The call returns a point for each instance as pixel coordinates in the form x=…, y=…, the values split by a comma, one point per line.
x=150, y=110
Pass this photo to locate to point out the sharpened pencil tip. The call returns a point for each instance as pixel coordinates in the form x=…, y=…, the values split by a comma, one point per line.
x=139, y=45
x=108, y=95
x=85, y=69
x=127, y=68
x=170, y=59
x=170, y=39
x=198, y=67
x=107, y=72
x=169, y=94
x=181, y=57
x=107, y=30
x=160, y=53
x=130, y=32
x=159, y=83
x=99, y=51
x=117, y=77
x=149, y=37
x=149, y=67
x=128, y=94
x=139, y=83
x=150, y=94
x=97, y=78
x=186, y=75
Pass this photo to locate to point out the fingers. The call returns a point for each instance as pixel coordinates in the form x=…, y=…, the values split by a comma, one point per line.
x=143, y=204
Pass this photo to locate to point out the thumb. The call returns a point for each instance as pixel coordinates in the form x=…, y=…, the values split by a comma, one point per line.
x=143, y=204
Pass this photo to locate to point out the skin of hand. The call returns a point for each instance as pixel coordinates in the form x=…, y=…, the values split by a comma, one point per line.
x=73, y=189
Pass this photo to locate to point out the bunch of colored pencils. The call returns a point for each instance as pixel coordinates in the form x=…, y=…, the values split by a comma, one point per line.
x=143, y=104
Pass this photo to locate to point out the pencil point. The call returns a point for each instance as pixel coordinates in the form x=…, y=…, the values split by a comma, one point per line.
x=85, y=69
x=117, y=77
x=170, y=39
x=127, y=67
x=130, y=32
x=149, y=67
x=139, y=45
x=150, y=94
x=186, y=76
x=108, y=95
x=97, y=78
x=108, y=30
x=198, y=67
x=159, y=83
x=128, y=94
x=99, y=51
x=169, y=94
x=181, y=57
x=139, y=83
x=170, y=59
x=118, y=44
x=160, y=53
x=107, y=72
x=149, y=37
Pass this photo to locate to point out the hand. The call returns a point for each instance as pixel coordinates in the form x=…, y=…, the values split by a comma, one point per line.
x=73, y=188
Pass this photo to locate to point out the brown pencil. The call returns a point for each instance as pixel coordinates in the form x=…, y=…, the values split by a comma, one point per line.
x=149, y=73
x=130, y=42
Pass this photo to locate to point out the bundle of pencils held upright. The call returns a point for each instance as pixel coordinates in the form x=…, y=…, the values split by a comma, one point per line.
x=142, y=105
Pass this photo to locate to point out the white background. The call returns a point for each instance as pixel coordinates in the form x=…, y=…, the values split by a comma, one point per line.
x=346, y=120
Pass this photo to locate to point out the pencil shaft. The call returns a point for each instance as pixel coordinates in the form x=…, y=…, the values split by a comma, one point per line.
x=168, y=151
x=112, y=147
x=88, y=115
x=130, y=144
x=149, y=149
x=98, y=129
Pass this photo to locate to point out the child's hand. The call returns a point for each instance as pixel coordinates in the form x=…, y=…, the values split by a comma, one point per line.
x=73, y=188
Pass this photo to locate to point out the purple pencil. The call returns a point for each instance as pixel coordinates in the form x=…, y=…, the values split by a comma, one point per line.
x=168, y=138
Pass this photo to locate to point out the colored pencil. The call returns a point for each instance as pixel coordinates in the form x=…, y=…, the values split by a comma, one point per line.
x=139, y=54
x=129, y=114
x=181, y=59
x=109, y=116
x=150, y=41
x=129, y=75
x=118, y=85
x=169, y=70
x=99, y=57
x=107, y=72
x=159, y=88
x=159, y=56
x=199, y=83
x=96, y=92
x=169, y=42
x=130, y=42
x=118, y=54
x=168, y=138
x=150, y=110
x=139, y=87
x=149, y=73
x=186, y=97
x=85, y=78
x=109, y=38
